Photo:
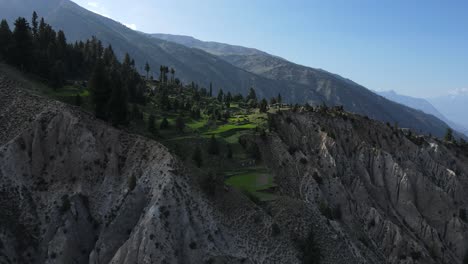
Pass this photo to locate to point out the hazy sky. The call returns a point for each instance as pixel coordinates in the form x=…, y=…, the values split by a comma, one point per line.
x=417, y=48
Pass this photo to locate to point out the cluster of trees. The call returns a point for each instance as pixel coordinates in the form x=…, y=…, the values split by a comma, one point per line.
x=113, y=85
x=449, y=137
x=36, y=48
x=213, y=148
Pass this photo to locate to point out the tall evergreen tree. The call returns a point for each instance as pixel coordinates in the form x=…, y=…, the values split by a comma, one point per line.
x=164, y=124
x=172, y=75
x=263, y=105
x=280, y=99
x=220, y=95
x=34, y=23
x=213, y=147
x=152, y=125
x=5, y=40
x=147, y=69
x=449, y=135
x=118, y=104
x=211, y=89
x=252, y=95
x=100, y=90
x=109, y=58
x=22, y=44
x=57, y=73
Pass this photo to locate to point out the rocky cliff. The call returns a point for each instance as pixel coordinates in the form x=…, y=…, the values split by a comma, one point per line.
x=402, y=197
x=75, y=190
x=350, y=190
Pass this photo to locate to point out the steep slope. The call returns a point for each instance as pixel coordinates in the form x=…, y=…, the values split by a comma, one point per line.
x=74, y=190
x=236, y=70
x=190, y=64
x=212, y=47
x=334, y=89
x=404, y=197
x=423, y=105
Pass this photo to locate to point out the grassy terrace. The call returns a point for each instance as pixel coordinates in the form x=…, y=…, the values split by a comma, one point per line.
x=241, y=171
x=256, y=180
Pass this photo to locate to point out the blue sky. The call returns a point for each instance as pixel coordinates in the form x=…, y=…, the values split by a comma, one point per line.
x=417, y=47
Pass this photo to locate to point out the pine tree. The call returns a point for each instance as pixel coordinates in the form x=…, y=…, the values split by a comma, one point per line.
x=57, y=74
x=22, y=44
x=5, y=40
x=34, y=23
x=449, y=135
x=211, y=90
x=118, y=104
x=100, y=90
x=108, y=57
x=164, y=124
x=280, y=99
x=147, y=69
x=263, y=106
x=220, y=95
x=61, y=45
x=197, y=157
x=252, y=95
x=172, y=75
x=152, y=125
x=213, y=147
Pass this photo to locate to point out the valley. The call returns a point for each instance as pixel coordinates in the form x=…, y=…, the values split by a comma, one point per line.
x=118, y=146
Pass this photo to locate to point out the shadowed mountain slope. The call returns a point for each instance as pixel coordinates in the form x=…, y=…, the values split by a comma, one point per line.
x=333, y=89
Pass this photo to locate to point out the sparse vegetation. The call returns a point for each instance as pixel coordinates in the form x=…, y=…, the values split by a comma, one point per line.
x=310, y=251
x=132, y=182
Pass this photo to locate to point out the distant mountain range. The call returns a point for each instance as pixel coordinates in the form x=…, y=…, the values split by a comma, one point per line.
x=334, y=89
x=425, y=106
x=232, y=68
x=453, y=105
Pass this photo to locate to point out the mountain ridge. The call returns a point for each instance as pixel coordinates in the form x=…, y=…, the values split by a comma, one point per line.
x=334, y=89
x=423, y=105
x=269, y=74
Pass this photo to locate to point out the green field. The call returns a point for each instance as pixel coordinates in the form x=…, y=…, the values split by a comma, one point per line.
x=242, y=121
x=254, y=180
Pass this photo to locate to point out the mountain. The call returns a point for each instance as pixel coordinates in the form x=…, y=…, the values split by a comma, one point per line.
x=76, y=190
x=190, y=64
x=454, y=105
x=334, y=89
x=212, y=47
x=403, y=196
x=423, y=105
x=349, y=190
x=234, y=69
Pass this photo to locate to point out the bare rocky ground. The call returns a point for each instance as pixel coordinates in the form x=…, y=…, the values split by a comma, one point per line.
x=402, y=197
x=75, y=190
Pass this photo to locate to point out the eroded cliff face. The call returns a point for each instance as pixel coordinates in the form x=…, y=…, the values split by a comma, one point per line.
x=391, y=197
x=75, y=190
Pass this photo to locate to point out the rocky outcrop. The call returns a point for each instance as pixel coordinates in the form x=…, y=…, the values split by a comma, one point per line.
x=401, y=197
x=75, y=190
